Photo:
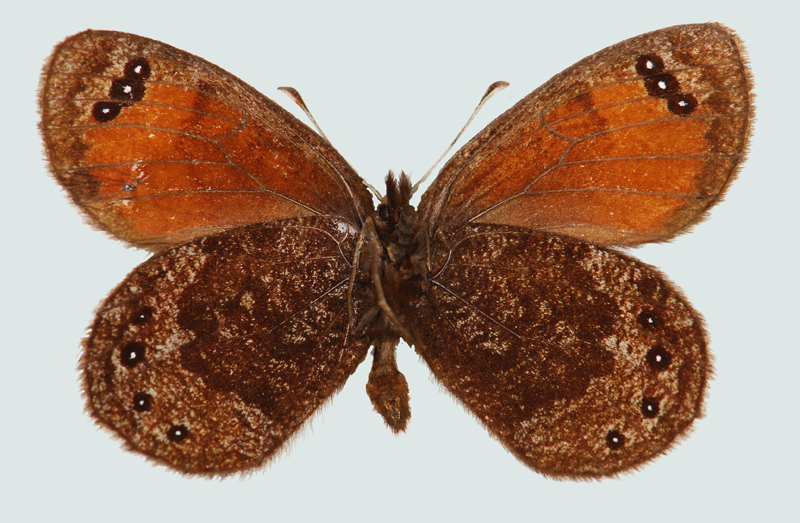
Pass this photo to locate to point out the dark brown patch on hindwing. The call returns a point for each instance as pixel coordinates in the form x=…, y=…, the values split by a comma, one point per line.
x=236, y=338
x=549, y=342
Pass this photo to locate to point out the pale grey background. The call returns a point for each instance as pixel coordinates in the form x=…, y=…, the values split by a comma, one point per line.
x=391, y=84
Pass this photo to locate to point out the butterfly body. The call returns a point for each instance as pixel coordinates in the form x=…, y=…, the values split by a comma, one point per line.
x=274, y=273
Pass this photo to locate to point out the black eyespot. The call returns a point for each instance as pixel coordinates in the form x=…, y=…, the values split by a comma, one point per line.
x=650, y=320
x=137, y=68
x=177, y=433
x=648, y=64
x=126, y=90
x=658, y=358
x=662, y=85
x=650, y=407
x=142, y=402
x=682, y=104
x=106, y=111
x=131, y=354
x=142, y=316
x=615, y=440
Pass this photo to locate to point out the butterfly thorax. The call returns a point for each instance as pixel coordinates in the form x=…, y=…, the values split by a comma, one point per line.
x=403, y=272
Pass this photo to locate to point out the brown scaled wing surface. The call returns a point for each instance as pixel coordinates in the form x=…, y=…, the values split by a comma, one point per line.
x=559, y=347
x=582, y=361
x=229, y=341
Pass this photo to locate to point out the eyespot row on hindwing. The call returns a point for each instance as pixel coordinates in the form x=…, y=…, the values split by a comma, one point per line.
x=657, y=359
x=133, y=353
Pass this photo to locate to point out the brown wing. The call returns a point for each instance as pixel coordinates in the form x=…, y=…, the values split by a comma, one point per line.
x=159, y=146
x=210, y=355
x=630, y=145
x=583, y=362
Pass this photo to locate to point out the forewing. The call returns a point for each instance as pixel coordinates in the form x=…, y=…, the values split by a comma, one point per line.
x=210, y=355
x=582, y=361
x=630, y=145
x=159, y=146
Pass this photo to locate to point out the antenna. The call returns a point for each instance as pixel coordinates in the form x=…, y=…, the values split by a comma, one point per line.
x=494, y=88
x=293, y=93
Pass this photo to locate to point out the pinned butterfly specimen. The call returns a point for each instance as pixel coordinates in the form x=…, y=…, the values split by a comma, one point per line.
x=273, y=272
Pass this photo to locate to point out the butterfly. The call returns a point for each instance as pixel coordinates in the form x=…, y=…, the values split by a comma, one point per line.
x=273, y=273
